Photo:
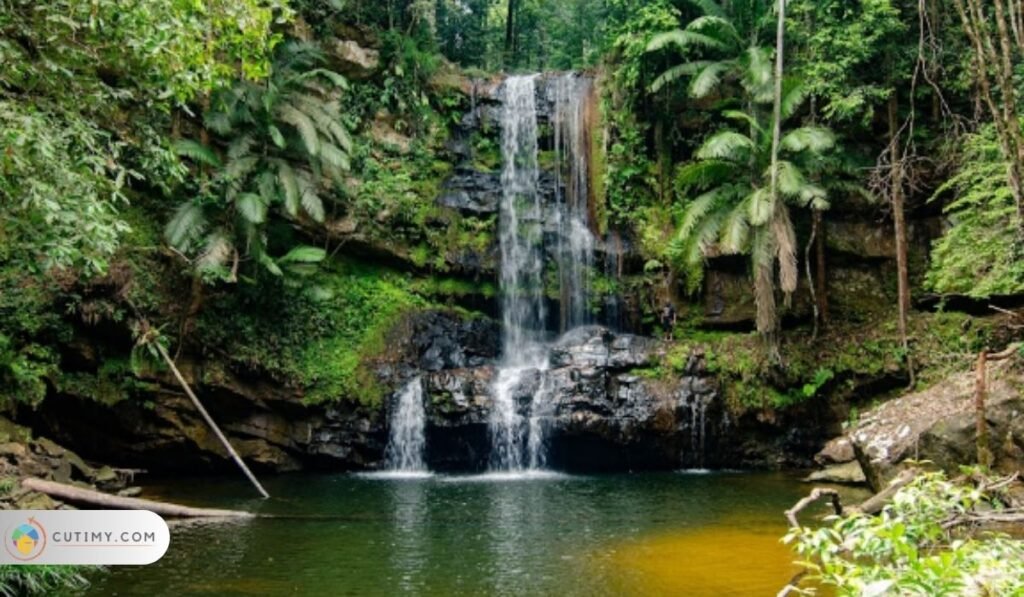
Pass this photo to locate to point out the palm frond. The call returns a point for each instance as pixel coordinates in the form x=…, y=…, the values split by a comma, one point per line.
x=745, y=118
x=704, y=238
x=676, y=72
x=726, y=145
x=717, y=24
x=705, y=173
x=793, y=94
x=760, y=206
x=735, y=230
x=791, y=181
x=757, y=73
x=708, y=79
x=684, y=38
x=815, y=139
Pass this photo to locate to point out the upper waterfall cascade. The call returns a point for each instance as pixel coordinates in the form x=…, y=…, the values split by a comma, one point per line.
x=518, y=430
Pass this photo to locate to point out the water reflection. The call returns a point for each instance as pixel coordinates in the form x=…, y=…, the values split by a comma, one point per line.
x=350, y=535
x=408, y=552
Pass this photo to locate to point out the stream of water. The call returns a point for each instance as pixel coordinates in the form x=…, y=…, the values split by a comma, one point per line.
x=407, y=438
x=515, y=438
x=536, y=534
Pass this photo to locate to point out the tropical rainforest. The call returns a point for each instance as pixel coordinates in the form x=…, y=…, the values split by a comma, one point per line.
x=527, y=238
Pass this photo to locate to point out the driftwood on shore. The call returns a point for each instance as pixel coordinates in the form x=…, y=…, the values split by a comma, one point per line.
x=78, y=495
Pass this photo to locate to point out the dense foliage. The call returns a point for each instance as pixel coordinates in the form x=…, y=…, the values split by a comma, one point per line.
x=229, y=173
x=910, y=549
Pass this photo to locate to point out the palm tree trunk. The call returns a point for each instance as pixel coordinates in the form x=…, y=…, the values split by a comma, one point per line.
x=777, y=107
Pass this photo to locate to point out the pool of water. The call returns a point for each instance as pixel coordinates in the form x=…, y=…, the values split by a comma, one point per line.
x=543, y=534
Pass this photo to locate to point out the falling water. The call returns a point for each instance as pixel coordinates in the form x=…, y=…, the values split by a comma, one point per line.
x=568, y=95
x=522, y=269
x=407, y=440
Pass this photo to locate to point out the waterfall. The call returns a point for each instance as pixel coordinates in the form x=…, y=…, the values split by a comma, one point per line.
x=407, y=440
x=523, y=404
x=567, y=95
x=522, y=283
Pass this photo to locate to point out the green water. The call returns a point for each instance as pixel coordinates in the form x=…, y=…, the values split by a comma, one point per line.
x=694, y=534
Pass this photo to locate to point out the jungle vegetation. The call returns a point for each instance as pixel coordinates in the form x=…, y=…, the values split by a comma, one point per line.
x=200, y=159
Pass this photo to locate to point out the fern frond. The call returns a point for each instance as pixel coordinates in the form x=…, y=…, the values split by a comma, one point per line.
x=252, y=208
x=304, y=125
x=197, y=152
x=290, y=185
x=311, y=202
x=186, y=226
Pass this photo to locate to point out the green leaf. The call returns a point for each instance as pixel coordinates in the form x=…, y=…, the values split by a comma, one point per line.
x=196, y=152
x=186, y=226
x=275, y=134
x=290, y=184
x=683, y=39
x=252, y=208
x=815, y=139
x=304, y=125
x=272, y=267
x=726, y=145
x=304, y=254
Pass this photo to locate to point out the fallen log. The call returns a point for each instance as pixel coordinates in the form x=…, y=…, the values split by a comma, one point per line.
x=79, y=495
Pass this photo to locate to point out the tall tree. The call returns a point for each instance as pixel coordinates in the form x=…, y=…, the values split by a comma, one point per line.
x=510, y=33
x=736, y=213
x=787, y=260
x=995, y=55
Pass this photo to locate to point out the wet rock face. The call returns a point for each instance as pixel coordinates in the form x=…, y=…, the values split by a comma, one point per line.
x=442, y=340
x=472, y=192
x=600, y=414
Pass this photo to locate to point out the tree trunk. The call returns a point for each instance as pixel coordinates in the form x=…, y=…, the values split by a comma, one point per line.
x=80, y=495
x=980, y=424
x=209, y=420
x=510, y=34
x=777, y=105
x=896, y=199
x=819, y=280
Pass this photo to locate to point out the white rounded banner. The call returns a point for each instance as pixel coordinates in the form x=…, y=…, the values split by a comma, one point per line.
x=101, y=537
